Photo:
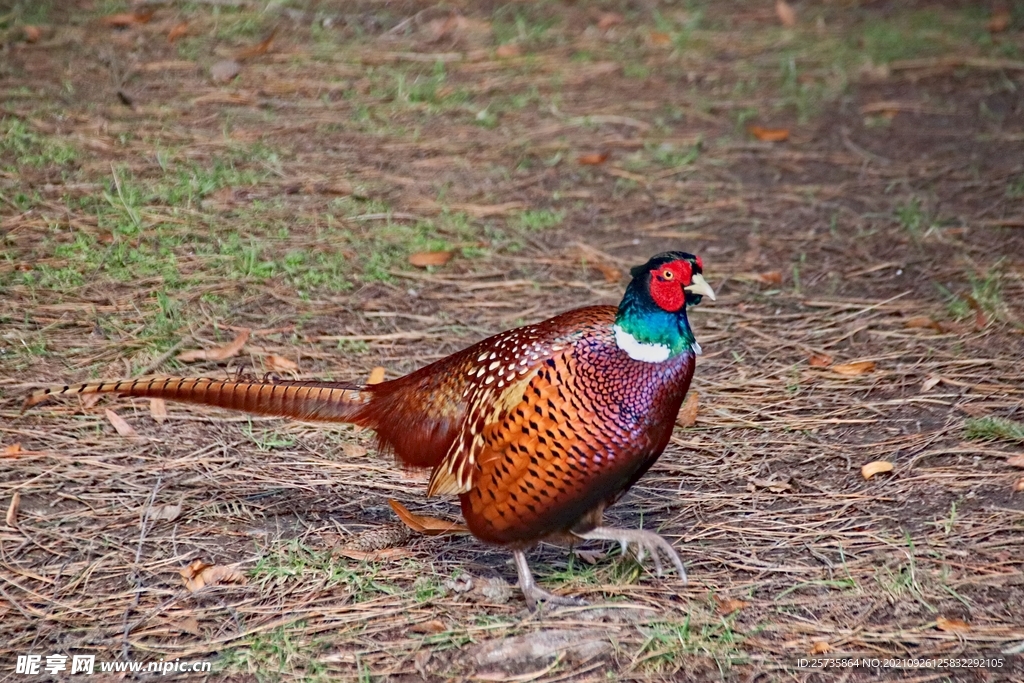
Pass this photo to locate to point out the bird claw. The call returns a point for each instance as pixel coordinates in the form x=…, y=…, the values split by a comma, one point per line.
x=646, y=542
x=537, y=596
x=533, y=593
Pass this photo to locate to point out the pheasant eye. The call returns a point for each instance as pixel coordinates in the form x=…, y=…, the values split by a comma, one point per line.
x=668, y=274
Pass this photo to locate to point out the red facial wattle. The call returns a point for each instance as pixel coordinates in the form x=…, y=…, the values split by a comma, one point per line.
x=667, y=282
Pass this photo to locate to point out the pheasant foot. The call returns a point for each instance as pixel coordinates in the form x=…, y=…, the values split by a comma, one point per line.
x=646, y=542
x=533, y=593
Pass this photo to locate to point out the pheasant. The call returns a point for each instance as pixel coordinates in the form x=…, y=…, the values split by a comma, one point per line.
x=537, y=429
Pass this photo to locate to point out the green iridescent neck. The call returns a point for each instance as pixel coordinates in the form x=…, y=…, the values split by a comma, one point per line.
x=652, y=327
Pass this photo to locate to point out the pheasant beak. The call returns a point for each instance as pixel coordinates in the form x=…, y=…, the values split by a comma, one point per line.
x=700, y=286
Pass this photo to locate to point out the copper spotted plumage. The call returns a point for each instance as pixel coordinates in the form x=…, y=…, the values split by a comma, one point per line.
x=537, y=429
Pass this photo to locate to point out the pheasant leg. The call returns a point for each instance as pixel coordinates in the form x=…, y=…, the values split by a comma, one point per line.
x=646, y=542
x=534, y=593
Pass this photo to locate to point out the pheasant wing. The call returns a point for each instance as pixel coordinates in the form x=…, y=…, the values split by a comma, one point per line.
x=558, y=455
x=490, y=380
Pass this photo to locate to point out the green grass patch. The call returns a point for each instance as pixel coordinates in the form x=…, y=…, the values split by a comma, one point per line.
x=985, y=296
x=529, y=25
x=22, y=146
x=922, y=33
x=993, y=429
x=33, y=12
x=535, y=220
x=1015, y=188
x=284, y=653
x=669, y=644
x=913, y=217
x=292, y=561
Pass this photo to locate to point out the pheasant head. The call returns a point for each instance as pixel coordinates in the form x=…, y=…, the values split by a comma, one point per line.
x=651, y=324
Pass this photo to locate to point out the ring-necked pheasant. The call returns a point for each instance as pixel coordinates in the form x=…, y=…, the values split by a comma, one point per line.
x=537, y=429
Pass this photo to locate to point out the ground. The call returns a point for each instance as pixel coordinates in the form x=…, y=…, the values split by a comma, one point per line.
x=869, y=266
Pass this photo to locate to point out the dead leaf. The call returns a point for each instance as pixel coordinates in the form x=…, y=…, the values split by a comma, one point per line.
x=436, y=29
x=773, y=485
x=819, y=360
x=12, y=509
x=820, y=647
x=952, y=625
x=420, y=661
x=422, y=259
x=590, y=556
x=199, y=574
x=126, y=19
x=769, y=134
x=1019, y=485
x=224, y=70
x=13, y=449
x=178, y=31
x=659, y=39
x=281, y=364
x=457, y=28
x=729, y=605
x=167, y=513
x=972, y=410
x=611, y=273
x=188, y=625
x=120, y=20
x=922, y=322
x=771, y=277
x=193, y=569
x=930, y=384
x=688, y=412
x=608, y=19
x=875, y=467
x=785, y=12
x=432, y=626
x=1015, y=461
x=428, y=526
x=377, y=375
x=507, y=50
x=217, y=352
x=257, y=50
x=859, y=367
x=980, y=319
x=120, y=426
x=594, y=159
x=354, y=450
x=158, y=409
x=32, y=33
x=1000, y=19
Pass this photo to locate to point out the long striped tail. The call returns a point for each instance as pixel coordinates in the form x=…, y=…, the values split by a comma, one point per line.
x=300, y=400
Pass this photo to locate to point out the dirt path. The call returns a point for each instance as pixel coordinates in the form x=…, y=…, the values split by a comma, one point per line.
x=870, y=271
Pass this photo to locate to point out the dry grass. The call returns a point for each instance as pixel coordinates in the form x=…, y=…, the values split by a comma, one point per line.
x=884, y=238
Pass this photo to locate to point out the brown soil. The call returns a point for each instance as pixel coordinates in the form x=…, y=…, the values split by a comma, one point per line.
x=888, y=228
